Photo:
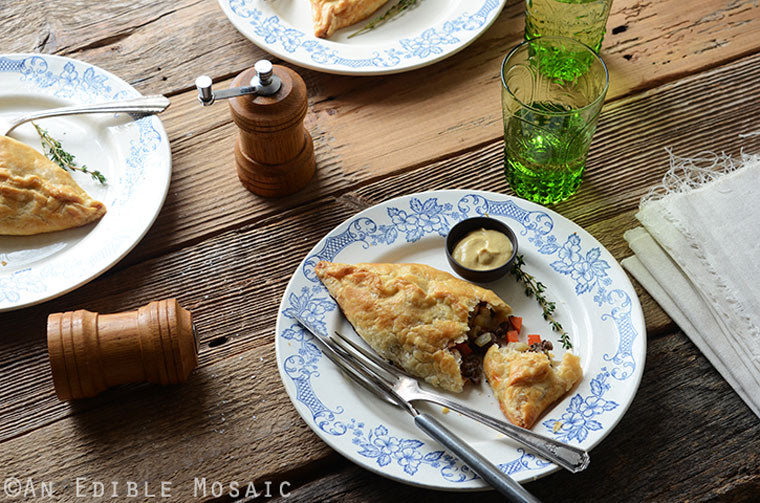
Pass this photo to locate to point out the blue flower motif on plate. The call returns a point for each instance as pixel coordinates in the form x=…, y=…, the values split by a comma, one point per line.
x=578, y=418
x=83, y=83
x=587, y=270
x=421, y=217
x=428, y=44
x=425, y=218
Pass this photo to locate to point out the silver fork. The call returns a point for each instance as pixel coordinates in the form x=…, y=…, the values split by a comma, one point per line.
x=473, y=459
x=143, y=105
x=569, y=457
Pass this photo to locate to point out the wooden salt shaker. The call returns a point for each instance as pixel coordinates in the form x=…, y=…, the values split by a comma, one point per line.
x=274, y=153
x=90, y=352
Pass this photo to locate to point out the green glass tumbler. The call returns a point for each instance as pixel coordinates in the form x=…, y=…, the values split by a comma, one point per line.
x=581, y=20
x=552, y=93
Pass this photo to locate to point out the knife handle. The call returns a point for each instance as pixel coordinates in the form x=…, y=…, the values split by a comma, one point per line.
x=480, y=465
x=567, y=456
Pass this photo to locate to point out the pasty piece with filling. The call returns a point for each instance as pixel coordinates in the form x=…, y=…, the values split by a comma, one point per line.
x=527, y=382
x=415, y=315
x=37, y=196
x=331, y=15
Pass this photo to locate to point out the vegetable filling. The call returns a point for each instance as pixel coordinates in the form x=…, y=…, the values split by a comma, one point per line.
x=486, y=329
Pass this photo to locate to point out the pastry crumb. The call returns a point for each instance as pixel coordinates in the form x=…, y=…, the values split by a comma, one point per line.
x=446, y=410
x=3, y=263
x=557, y=426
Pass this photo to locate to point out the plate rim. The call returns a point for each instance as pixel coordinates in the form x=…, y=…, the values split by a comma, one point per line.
x=163, y=149
x=637, y=317
x=242, y=27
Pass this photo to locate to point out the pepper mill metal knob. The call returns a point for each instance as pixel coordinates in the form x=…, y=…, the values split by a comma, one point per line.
x=90, y=352
x=274, y=153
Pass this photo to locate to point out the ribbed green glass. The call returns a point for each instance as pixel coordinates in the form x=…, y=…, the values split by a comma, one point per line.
x=552, y=94
x=582, y=20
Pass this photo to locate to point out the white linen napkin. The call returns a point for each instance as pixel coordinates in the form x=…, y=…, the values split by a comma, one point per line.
x=698, y=255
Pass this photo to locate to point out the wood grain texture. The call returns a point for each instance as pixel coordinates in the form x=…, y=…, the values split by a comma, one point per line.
x=232, y=420
x=363, y=127
x=683, y=407
x=163, y=46
x=629, y=172
x=90, y=352
x=627, y=156
x=236, y=303
x=274, y=154
x=685, y=78
x=233, y=309
x=227, y=423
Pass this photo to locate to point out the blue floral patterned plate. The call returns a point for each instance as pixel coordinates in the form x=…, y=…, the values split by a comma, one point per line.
x=595, y=303
x=428, y=32
x=132, y=154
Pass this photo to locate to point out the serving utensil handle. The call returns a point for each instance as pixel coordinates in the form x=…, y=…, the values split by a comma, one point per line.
x=480, y=465
x=569, y=457
x=143, y=105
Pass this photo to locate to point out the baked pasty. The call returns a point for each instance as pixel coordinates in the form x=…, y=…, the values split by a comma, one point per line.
x=418, y=317
x=526, y=381
x=331, y=15
x=37, y=196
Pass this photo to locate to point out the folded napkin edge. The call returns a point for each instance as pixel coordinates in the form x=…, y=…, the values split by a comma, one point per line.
x=688, y=174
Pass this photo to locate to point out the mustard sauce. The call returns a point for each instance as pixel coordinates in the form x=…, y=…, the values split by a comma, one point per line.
x=483, y=249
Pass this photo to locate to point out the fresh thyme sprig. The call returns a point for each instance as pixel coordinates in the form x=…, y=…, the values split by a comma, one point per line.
x=534, y=288
x=55, y=153
x=394, y=11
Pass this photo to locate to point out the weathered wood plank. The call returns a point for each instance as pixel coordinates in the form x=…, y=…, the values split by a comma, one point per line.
x=686, y=412
x=218, y=280
x=237, y=301
x=220, y=249
x=29, y=399
x=366, y=128
x=627, y=156
x=229, y=422
x=598, y=205
x=164, y=46
x=234, y=401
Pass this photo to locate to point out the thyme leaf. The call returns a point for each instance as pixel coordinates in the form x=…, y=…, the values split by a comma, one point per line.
x=394, y=11
x=55, y=152
x=534, y=288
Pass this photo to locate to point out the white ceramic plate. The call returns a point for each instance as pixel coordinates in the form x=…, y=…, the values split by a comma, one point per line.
x=596, y=304
x=133, y=155
x=428, y=32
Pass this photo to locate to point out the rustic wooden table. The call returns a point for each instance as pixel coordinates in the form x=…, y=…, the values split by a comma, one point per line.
x=682, y=76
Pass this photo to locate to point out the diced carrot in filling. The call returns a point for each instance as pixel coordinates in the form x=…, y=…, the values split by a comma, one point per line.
x=486, y=328
x=463, y=348
x=513, y=336
x=516, y=322
x=534, y=339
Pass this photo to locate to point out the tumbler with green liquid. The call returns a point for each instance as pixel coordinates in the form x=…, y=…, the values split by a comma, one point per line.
x=582, y=20
x=553, y=89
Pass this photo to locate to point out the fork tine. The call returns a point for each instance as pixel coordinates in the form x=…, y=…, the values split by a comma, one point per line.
x=395, y=372
x=361, y=376
x=350, y=351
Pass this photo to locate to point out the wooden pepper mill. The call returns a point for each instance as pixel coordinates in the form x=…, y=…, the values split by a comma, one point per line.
x=274, y=153
x=90, y=352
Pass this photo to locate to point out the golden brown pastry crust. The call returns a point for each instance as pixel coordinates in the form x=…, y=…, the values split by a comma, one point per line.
x=525, y=382
x=331, y=15
x=38, y=196
x=411, y=314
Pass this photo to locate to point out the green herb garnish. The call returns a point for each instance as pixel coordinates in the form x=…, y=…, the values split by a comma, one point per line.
x=53, y=151
x=534, y=288
x=394, y=11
